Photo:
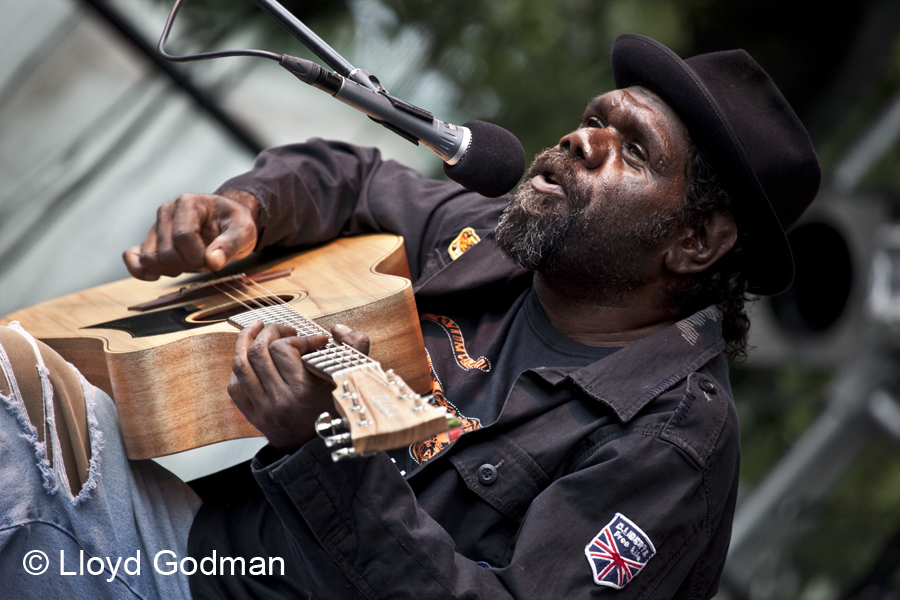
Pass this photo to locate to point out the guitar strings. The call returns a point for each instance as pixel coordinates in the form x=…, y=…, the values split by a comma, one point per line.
x=235, y=288
x=217, y=285
x=264, y=300
x=345, y=355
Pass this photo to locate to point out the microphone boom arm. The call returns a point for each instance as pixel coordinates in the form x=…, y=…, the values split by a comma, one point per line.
x=492, y=167
x=410, y=122
x=317, y=45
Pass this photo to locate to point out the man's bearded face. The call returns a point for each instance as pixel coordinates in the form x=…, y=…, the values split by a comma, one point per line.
x=592, y=210
x=575, y=238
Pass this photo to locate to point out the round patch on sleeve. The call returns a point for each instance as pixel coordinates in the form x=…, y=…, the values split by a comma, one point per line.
x=619, y=552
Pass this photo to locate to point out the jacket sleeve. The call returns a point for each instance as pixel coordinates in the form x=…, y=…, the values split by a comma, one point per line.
x=314, y=192
x=362, y=520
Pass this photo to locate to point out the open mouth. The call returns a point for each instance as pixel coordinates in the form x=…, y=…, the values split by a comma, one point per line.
x=547, y=183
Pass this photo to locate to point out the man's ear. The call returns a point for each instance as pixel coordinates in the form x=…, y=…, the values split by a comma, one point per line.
x=697, y=247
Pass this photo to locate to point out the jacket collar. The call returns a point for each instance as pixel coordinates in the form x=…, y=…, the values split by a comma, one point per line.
x=638, y=373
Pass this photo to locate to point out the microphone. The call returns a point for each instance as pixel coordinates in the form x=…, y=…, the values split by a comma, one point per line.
x=482, y=157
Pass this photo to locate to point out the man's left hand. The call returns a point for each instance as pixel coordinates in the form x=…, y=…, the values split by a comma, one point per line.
x=272, y=387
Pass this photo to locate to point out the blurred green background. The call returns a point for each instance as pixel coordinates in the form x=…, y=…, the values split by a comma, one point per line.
x=530, y=65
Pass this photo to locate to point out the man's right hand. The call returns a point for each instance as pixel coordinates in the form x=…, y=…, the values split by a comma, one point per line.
x=196, y=232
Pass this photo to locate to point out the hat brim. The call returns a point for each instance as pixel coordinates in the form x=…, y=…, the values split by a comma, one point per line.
x=638, y=60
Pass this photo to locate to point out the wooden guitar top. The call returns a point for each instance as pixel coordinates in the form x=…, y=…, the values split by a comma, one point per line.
x=167, y=368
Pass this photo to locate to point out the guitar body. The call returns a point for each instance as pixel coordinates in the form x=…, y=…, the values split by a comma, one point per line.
x=168, y=367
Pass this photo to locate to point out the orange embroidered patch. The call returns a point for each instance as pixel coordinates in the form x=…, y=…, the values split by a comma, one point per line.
x=427, y=449
x=465, y=240
x=453, y=332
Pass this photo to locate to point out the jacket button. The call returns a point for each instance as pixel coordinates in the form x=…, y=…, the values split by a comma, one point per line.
x=487, y=474
x=707, y=386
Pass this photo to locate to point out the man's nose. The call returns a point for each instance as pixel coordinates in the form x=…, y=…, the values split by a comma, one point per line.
x=589, y=145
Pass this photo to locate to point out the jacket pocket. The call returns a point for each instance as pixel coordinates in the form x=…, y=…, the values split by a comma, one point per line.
x=502, y=474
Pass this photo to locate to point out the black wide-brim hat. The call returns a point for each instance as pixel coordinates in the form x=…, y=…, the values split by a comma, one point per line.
x=758, y=147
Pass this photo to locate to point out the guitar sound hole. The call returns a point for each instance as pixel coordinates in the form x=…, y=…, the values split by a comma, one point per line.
x=222, y=312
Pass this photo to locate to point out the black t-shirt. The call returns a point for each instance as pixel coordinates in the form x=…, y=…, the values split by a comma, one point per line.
x=477, y=355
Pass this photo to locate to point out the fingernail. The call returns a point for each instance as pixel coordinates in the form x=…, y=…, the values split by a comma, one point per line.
x=217, y=258
x=340, y=328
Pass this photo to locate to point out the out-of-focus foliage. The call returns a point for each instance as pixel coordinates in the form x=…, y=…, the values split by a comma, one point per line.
x=775, y=406
x=229, y=15
x=530, y=65
x=886, y=174
x=859, y=522
x=863, y=510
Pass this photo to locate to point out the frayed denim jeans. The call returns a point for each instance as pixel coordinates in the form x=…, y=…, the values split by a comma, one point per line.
x=122, y=535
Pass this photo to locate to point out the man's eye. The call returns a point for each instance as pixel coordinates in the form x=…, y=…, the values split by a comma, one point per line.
x=637, y=150
x=593, y=122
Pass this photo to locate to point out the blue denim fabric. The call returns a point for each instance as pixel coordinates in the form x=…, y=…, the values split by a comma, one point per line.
x=125, y=510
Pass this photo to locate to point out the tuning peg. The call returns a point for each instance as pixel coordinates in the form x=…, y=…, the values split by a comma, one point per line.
x=327, y=426
x=346, y=392
x=339, y=440
x=343, y=454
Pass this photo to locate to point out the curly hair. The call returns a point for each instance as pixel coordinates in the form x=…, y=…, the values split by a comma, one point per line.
x=725, y=283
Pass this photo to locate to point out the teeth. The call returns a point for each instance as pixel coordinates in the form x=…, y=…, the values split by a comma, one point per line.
x=551, y=178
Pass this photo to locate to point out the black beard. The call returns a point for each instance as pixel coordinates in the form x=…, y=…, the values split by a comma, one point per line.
x=595, y=253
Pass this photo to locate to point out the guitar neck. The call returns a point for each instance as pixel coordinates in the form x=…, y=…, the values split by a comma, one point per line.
x=334, y=360
x=282, y=314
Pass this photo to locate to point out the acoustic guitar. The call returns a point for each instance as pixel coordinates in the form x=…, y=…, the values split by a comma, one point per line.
x=162, y=350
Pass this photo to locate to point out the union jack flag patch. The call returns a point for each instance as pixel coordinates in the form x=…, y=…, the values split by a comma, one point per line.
x=618, y=552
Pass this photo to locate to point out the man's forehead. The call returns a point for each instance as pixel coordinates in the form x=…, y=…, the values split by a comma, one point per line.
x=639, y=97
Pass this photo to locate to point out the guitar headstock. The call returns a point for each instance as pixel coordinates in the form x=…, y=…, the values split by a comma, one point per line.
x=377, y=410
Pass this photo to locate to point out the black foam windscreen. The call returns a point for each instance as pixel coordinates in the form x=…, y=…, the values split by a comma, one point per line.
x=494, y=162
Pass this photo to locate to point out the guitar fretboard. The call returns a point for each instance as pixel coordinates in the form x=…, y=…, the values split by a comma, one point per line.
x=333, y=359
x=279, y=313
